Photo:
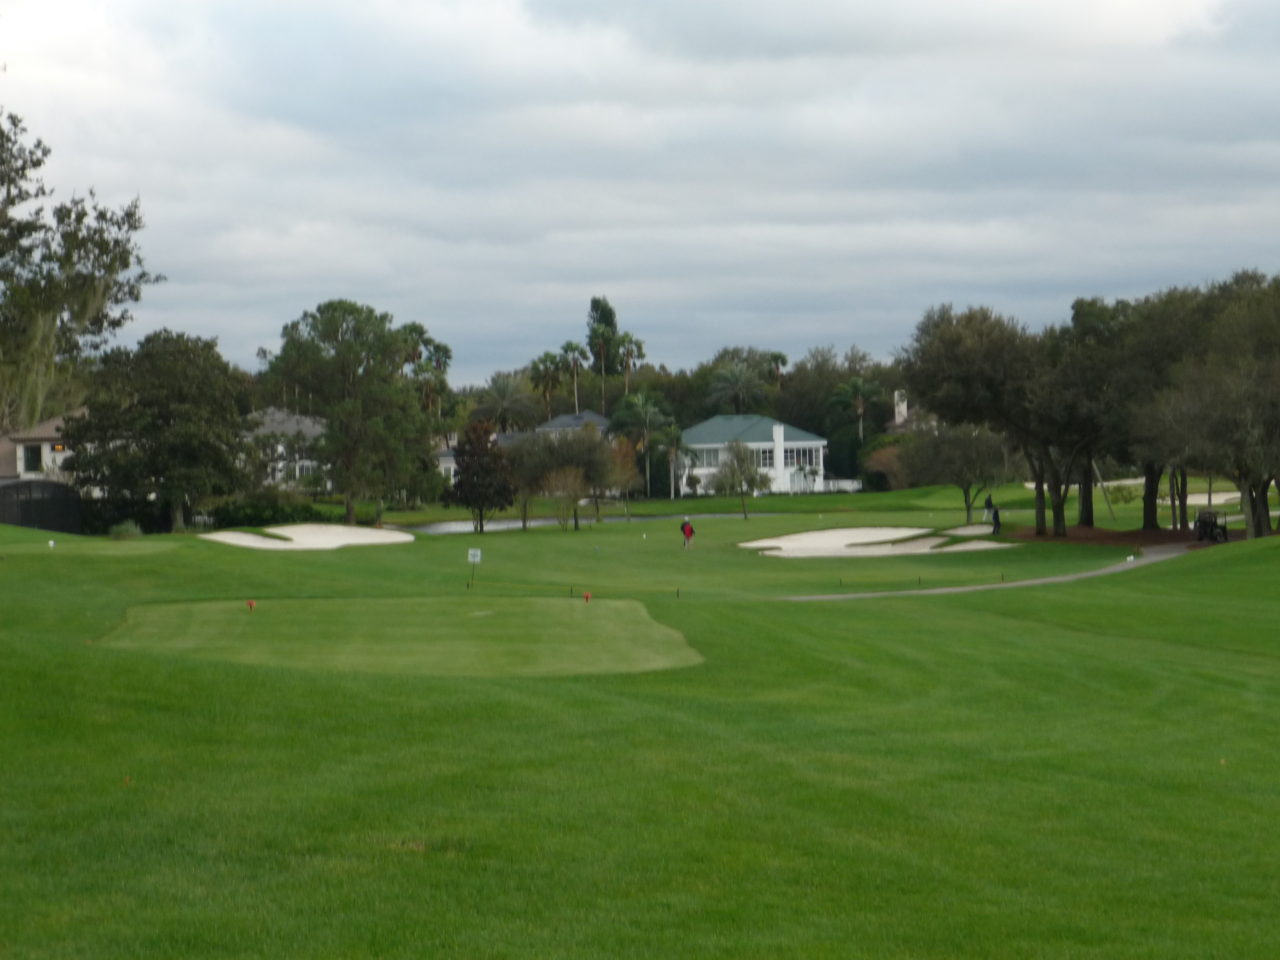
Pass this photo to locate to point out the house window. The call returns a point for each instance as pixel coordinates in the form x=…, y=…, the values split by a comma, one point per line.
x=789, y=457
x=31, y=459
x=706, y=458
x=803, y=457
x=764, y=458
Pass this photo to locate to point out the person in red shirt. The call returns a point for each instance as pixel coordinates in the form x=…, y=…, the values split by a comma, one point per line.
x=687, y=529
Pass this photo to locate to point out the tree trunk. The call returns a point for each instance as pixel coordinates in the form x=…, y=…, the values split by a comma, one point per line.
x=1037, y=474
x=968, y=504
x=1151, y=472
x=350, y=503
x=744, y=506
x=1246, y=505
x=1173, y=498
x=176, y=523
x=1254, y=503
x=1085, y=517
x=1183, y=523
x=1057, y=496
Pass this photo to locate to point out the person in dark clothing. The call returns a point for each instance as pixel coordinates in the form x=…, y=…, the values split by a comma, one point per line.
x=995, y=520
x=987, y=508
x=686, y=528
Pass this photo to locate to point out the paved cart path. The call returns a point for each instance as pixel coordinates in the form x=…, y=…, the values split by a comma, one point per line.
x=1150, y=555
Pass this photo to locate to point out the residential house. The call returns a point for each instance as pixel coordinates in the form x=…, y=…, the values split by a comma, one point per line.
x=567, y=422
x=286, y=439
x=36, y=453
x=792, y=459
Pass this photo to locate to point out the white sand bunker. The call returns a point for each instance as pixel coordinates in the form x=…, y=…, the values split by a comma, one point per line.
x=310, y=536
x=866, y=542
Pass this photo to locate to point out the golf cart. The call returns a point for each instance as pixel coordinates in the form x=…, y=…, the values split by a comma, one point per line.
x=1211, y=527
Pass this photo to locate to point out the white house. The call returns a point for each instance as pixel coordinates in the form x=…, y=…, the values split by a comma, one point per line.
x=287, y=439
x=35, y=453
x=791, y=458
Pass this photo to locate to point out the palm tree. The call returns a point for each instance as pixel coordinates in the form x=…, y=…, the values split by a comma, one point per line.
x=573, y=355
x=546, y=374
x=430, y=369
x=631, y=352
x=506, y=402
x=639, y=418
x=776, y=362
x=852, y=396
x=737, y=385
x=671, y=438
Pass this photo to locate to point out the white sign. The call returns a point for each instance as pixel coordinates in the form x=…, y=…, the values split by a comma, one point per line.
x=473, y=555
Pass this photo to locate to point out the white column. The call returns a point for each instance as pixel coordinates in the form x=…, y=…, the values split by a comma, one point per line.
x=779, y=481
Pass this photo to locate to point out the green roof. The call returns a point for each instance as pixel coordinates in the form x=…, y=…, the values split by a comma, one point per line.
x=747, y=428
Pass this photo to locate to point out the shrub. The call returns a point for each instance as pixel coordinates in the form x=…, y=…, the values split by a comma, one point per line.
x=264, y=508
x=125, y=530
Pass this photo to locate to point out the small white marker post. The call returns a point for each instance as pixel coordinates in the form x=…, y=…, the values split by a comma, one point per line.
x=473, y=558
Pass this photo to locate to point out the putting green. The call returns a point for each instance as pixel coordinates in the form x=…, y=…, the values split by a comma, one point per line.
x=436, y=637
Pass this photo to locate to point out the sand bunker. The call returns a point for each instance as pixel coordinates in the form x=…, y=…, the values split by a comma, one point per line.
x=870, y=542
x=311, y=536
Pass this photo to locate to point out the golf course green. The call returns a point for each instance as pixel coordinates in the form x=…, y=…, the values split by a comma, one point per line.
x=394, y=753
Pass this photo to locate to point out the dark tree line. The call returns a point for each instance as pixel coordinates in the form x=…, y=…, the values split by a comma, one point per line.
x=1183, y=379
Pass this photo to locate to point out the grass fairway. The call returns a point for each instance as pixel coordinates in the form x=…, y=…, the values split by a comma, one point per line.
x=367, y=766
x=495, y=637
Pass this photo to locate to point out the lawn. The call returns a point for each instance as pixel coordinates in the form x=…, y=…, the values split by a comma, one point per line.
x=387, y=759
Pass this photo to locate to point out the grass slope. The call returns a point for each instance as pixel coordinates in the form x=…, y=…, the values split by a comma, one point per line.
x=1083, y=770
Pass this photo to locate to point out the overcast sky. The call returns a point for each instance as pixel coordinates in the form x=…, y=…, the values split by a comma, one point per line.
x=726, y=172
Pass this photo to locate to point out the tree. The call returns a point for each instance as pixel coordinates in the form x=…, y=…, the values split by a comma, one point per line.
x=623, y=475
x=1221, y=410
x=670, y=439
x=483, y=482
x=738, y=474
x=603, y=340
x=580, y=466
x=506, y=403
x=531, y=457
x=978, y=367
x=163, y=424
x=737, y=386
x=805, y=398
x=431, y=360
x=546, y=373
x=574, y=355
x=852, y=396
x=630, y=353
x=67, y=277
x=971, y=458
x=639, y=417
x=358, y=371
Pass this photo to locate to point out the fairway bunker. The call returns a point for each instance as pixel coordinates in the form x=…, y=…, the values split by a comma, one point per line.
x=310, y=536
x=873, y=542
x=413, y=637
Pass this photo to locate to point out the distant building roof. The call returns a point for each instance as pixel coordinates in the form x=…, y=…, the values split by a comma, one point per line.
x=50, y=429
x=745, y=428
x=575, y=421
x=274, y=422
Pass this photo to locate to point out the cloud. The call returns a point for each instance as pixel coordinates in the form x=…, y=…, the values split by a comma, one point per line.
x=725, y=172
